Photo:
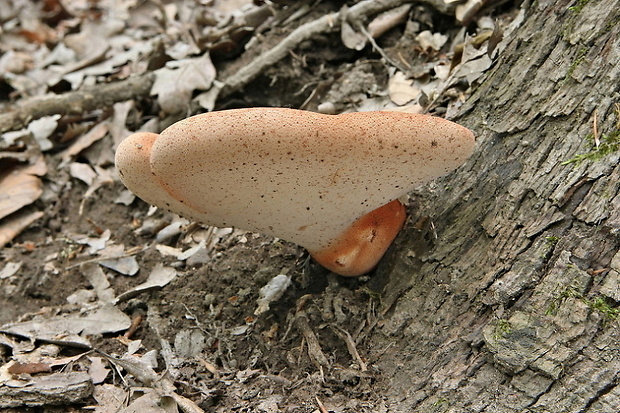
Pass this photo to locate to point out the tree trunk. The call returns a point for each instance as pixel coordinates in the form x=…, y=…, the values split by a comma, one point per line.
x=506, y=300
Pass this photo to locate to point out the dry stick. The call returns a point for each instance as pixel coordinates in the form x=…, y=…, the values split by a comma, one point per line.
x=77, y=102
x=303, y=325
x=322, y=408
x=346, y=337
x=314, y=347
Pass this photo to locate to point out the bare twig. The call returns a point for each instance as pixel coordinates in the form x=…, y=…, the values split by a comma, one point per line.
x=303, y=325
x=378, y=48
x=322, y=408
x=351, y=347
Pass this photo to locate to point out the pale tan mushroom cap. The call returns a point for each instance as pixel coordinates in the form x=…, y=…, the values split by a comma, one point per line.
x=300, y=176
x=133, y=161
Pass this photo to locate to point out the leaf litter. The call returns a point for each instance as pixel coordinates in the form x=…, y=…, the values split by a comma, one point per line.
x=128, y=287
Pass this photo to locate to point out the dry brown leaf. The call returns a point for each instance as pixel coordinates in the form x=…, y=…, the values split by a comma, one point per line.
x=17, y=368
x=465, y=12
x=152, y=402
x=230, y=6
x=42, y=128
x=118, y=130
x=85, y=141
x=103, y=177
x=18, y=189
x=11, y=226
x=115, y=258
x=98, y=280
x=91, y=41
x=15, y=62
x=21, y=186
x=95, y=243
x=83, y=172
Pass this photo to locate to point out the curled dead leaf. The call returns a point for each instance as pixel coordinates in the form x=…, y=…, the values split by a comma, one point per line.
x=21, y=186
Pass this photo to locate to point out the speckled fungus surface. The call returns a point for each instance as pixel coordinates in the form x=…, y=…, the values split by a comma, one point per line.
x=329, y=183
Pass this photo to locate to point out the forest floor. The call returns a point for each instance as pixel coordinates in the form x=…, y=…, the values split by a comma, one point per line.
x=108, y=304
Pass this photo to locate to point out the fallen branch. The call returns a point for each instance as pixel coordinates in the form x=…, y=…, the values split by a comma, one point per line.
x=77, y=102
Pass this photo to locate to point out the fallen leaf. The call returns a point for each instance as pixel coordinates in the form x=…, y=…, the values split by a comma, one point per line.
x=474, y=63
x=90, y=41
x=109, y=398
x=42, y=129
x=83, y=172
x=11, y=226
x=152, y=402
x=158, y=278
x=29, y=368
x=168, y=251
x=95, y=243
x=388, y=20
x=431, y=41
x=10, y=269
x=97, y=370
x=464, y=13
x=175, y=83
x=171, y=230
x=351, y=38
x=21, y=186
x=122, y=265
x=103, y=320
x=85, y=141
x=191, y=251
x=126, y=197
x=116, y=258
x=98, y=280
x=401, y=90
x=103, y=177
x=189, y=343
x=15, y=62
x=118, y=130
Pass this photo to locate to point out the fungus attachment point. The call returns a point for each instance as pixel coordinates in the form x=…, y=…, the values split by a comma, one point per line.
x=328, y=183
x=360, y=248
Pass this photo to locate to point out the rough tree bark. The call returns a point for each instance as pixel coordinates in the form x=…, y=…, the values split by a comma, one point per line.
x=512, y=307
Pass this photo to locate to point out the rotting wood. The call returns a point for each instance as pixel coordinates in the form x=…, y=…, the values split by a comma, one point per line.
x=52, y=389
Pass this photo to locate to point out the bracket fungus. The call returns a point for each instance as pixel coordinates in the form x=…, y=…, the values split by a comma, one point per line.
x=329, y=183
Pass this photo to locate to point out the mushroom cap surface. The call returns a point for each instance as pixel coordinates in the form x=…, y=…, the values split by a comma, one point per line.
x=300, y=176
